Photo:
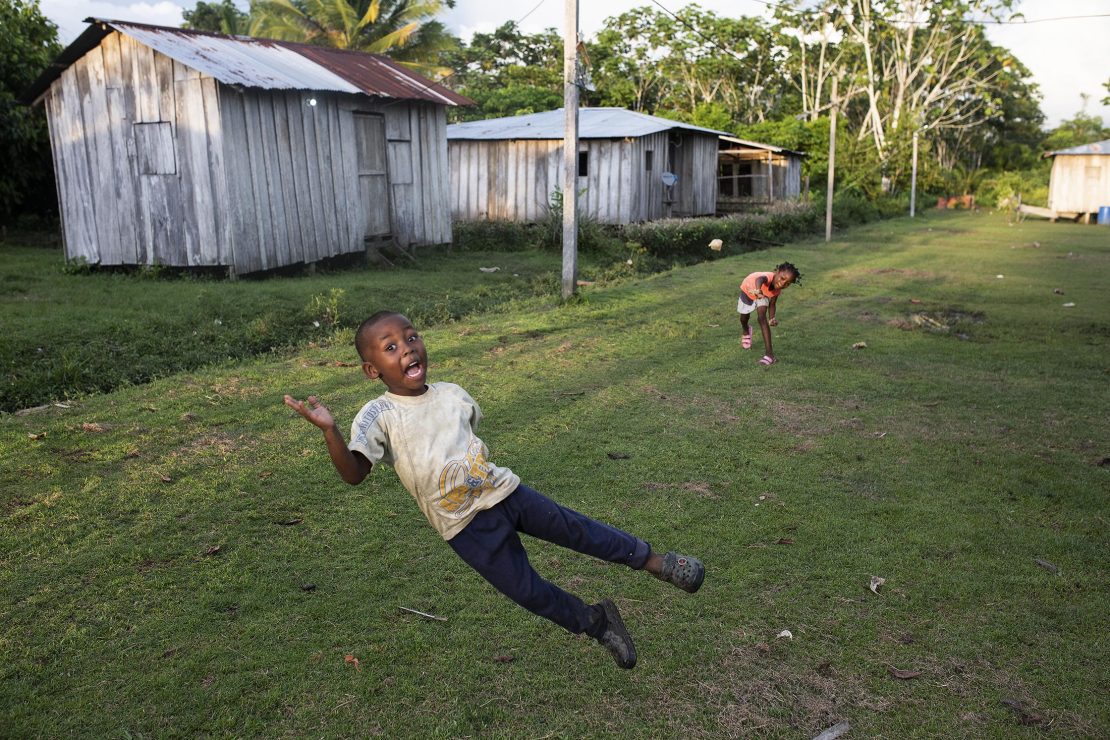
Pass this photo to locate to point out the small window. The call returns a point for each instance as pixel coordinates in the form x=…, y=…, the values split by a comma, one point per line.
x=583, y=163
x=649, y=155
x=154, y=148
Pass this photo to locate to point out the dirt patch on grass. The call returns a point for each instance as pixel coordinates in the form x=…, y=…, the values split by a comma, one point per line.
x=756, y=690
x=699, y=488
x=952, y=322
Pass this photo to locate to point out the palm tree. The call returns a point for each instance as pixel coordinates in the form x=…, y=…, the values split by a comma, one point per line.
x=400, y=28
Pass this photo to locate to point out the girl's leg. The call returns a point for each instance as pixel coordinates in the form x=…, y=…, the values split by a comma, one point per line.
x=766, y=329
x=745, y=331
x=491, y=546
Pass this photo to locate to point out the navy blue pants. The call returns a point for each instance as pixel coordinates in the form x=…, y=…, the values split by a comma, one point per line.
x=490, y=545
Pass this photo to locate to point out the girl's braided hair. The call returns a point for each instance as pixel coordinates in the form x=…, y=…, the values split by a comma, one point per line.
x=789, y=267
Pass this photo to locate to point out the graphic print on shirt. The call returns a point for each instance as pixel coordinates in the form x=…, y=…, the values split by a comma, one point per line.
x=463, y=481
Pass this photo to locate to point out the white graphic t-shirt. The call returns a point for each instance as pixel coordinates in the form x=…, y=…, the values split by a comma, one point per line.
x=431, y=441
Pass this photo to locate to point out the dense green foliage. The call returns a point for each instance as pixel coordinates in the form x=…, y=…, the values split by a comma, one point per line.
x=180, y=559
x=222, y=17
x=28, y=42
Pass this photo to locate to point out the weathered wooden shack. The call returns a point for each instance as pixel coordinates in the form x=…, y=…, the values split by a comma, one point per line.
x=1080, y=181
x=509, y=168
x=184, y=148
x=751, y=173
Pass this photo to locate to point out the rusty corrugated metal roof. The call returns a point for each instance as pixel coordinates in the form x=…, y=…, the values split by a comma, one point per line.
x=268, y=64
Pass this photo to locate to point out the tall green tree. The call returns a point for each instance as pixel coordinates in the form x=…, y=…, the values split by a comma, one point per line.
x=28, y=43
x=508, y=72
x=677, y=64
x=403, y=29
x=222, y=17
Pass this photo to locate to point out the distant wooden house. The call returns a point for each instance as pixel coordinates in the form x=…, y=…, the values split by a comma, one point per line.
x=751, y=173
x=184, y=148
x=1080, y=181
x=631, y=166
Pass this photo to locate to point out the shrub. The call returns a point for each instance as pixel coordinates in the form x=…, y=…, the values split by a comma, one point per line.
x=1003, y=189
x=687, y=239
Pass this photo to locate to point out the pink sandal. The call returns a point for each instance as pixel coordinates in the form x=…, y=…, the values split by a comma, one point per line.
x=767, y=360
x=746, y=340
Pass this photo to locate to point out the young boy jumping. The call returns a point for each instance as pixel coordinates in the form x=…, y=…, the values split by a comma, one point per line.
x=759, y=292
x=428, y=434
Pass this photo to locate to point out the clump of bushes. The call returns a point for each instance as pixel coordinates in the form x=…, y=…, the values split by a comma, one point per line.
x=1004, y=189
x=687, y=239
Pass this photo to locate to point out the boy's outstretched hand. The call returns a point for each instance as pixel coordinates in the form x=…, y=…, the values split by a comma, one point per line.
x=312, y=410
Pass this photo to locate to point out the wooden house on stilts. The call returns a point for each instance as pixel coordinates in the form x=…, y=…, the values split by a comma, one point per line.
x=191, y=149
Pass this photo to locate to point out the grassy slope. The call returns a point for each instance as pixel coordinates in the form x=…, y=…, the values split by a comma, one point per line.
x=944, y=465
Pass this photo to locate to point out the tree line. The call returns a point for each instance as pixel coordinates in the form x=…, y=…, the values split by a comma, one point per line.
x=890, y=69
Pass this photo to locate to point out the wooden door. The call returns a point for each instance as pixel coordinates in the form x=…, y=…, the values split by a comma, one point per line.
x=373, y=175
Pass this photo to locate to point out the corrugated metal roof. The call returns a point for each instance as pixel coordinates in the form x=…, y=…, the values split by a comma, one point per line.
x=261, y=63
x=1098, y=147
x=593, y=123
x=744, y=143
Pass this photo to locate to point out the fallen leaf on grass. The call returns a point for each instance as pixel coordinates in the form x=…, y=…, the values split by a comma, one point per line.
x=489, y=269
x=290, y=522
x=308, y=587
x=1068, y=305
x=618, y=455
x=785, y=541
x=32, y=435
x=503, y=658
x=1050, y=567
x=165, y=478
x=903, y=674
x=915, y=301
x=91, y=427
x=1057, y=291
x=352, y=660
x=188, y=416
x=212, y=550
x=876, y=581
x=787, y=634
x=1025, y=717
x=880, y=435
x=859, y=345
x=340, y=363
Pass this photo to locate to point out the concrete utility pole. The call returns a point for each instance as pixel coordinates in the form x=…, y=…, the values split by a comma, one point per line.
x=832, y=162
x=570, y=151
x=913, y=177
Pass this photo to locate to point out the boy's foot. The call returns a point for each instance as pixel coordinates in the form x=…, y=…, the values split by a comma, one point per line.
x=685, y=572
x=616, y=638
x=746, y=339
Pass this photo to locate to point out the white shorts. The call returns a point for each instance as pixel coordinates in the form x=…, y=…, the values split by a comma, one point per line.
x=742, y=307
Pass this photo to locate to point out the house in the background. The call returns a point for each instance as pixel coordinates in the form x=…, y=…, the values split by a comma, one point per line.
x=753, y=174
x=631, y=167
x=185, y=148
x=1080, y=181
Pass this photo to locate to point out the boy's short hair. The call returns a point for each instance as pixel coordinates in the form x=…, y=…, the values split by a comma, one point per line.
x=362, y=334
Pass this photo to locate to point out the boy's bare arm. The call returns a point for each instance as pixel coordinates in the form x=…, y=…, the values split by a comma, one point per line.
x=353, y=468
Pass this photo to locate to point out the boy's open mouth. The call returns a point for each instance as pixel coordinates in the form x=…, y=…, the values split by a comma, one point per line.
x=414, y=369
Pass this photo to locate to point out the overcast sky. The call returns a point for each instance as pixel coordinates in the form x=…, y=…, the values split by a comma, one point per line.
x=1068, y=58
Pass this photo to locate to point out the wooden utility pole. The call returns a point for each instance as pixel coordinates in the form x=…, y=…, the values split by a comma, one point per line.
x=913, y=177
x=832, y=162
x=570, y=151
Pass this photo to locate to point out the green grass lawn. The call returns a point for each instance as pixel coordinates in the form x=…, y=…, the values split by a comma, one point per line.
x=159, y=541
